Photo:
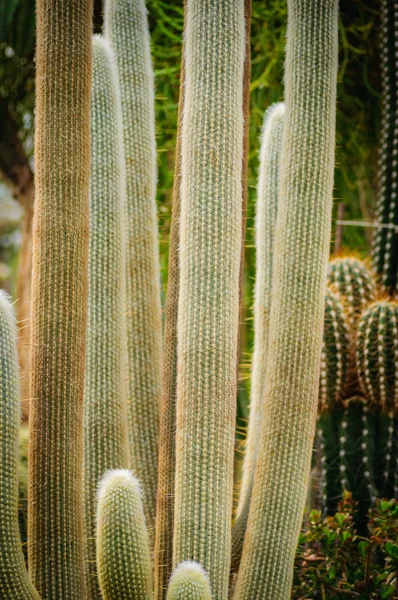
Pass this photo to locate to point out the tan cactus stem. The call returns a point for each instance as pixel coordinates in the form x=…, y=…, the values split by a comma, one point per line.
x=59, y=297
x=208, y=312
x=14, y=581
x=105, y=407
x=126, y=28
x=167, y=459
x=301, y=251
x=267, y=210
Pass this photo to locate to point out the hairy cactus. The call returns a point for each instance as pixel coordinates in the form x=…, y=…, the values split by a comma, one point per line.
x=126, y=28
x=354, y=282
x=301, y=251
x=210, y=254
x=59, y=297
x=267, y=209
x=377, y=354
x=336, y=349
x=105, y=411
x=14, y=581
x=189, y=582
x=123, y=555
x=385, y=249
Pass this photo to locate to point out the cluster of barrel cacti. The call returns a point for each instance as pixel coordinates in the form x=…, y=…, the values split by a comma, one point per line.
x=357, y=442
x=131, y=475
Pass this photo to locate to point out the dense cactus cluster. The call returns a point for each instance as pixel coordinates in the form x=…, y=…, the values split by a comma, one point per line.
x=164, y=530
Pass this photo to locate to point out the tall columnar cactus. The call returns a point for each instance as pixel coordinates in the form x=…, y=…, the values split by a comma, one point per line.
x=377, y=359
x=354, y=282
x=301, y=251
x=167, y=458
x=105, y=409
x=208, y=313
x=385, y=249
x=14, y=581
x=126, y=28
x=336, y=350
x=123, y=555
x=267, y=209
x=189, y=582
x=59, y=297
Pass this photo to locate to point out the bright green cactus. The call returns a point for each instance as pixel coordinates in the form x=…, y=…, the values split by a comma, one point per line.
x=301, y=251
x=126, y=28
x=123, y=555
x=105, y=408
x=353, y=281
x=385, y=248
x=14, y=581
x=189, y=582
x=267, y=209
x=336, y=350
x=59, y=297
x=208, y=313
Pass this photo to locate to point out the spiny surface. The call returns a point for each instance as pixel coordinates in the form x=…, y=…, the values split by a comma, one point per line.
x=377, y=354
x=105, y=410
x=301, y=251
x=208, y=313
x=59, y=297
x=123, y=556
x=267, y=210
x=354, y=282
x=189, y=582
x=14, y=582
x=126, y=28
x=385, y=248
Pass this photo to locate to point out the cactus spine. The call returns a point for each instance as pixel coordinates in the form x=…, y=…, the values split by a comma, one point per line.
x=385, y=249
x=123, y=555
x=295, y=336
x=126, y=28
x=59, y=297
x=105, y=411
x=14, y=581
x=267, y=209
x=208, y=312
x=354, y=283
x=189, y=582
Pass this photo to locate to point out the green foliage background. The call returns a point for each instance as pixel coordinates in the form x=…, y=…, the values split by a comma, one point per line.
x=358, y=115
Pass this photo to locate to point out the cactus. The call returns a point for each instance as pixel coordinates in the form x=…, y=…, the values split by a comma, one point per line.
x=208, y=312
x=354, y=282
x=123, y=555
x=105, y=410
x=385, y=248
x=126, y=28
x=301, y=249
x=336, y=350
x=189, y=582
x=377, y=359
x=267, y=208
x=14, y=581
x=59, y=297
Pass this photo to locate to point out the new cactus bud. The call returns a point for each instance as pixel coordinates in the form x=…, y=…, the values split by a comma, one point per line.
x=354, y=282
x=123, y=555
x=377, y=354
x=189, y=582
x=14, y=581
x=105, y=408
